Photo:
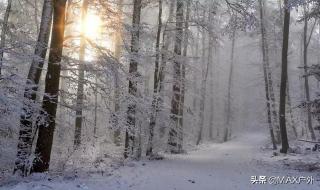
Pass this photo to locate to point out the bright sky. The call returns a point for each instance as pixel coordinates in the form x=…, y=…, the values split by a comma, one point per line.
x=92, y=26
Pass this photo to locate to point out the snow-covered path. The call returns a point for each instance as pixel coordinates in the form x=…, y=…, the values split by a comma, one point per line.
x=213, y=167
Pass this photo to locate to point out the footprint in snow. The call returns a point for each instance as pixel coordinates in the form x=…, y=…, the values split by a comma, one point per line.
x=82, y=186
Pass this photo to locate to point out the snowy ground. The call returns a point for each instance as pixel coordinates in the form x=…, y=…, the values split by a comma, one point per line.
x=218, y=166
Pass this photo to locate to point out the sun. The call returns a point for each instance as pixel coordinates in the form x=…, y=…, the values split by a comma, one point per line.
x=92, y=26
x=93, y=29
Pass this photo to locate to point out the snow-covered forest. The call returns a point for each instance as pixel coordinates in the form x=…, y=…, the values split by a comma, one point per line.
x=159, y=94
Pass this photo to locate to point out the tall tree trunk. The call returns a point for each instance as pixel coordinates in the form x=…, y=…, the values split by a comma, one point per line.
x=195, y=72
x=95, y=122
x=4, y=31
x=167, y=38
x=265, y=57
x=133, y=70
x=210, y=62
x=183, y=70
x=81, y=68
x=155, y=101
x=26, y=134
x=117, y=55
x=306, y=79
x=280, y=9
x=174, y=142
x=292, y=123
x=284, y=77
x=205, y=69
x=275, y=119
x=205, y=72
x=302, y=96
x=36, y=15
x=50, y=99
x=227, y=131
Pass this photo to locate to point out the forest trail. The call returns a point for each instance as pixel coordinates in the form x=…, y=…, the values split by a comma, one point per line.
x=225, y=166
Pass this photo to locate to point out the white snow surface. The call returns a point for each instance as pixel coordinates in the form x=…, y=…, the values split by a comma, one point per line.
x=225, y=166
